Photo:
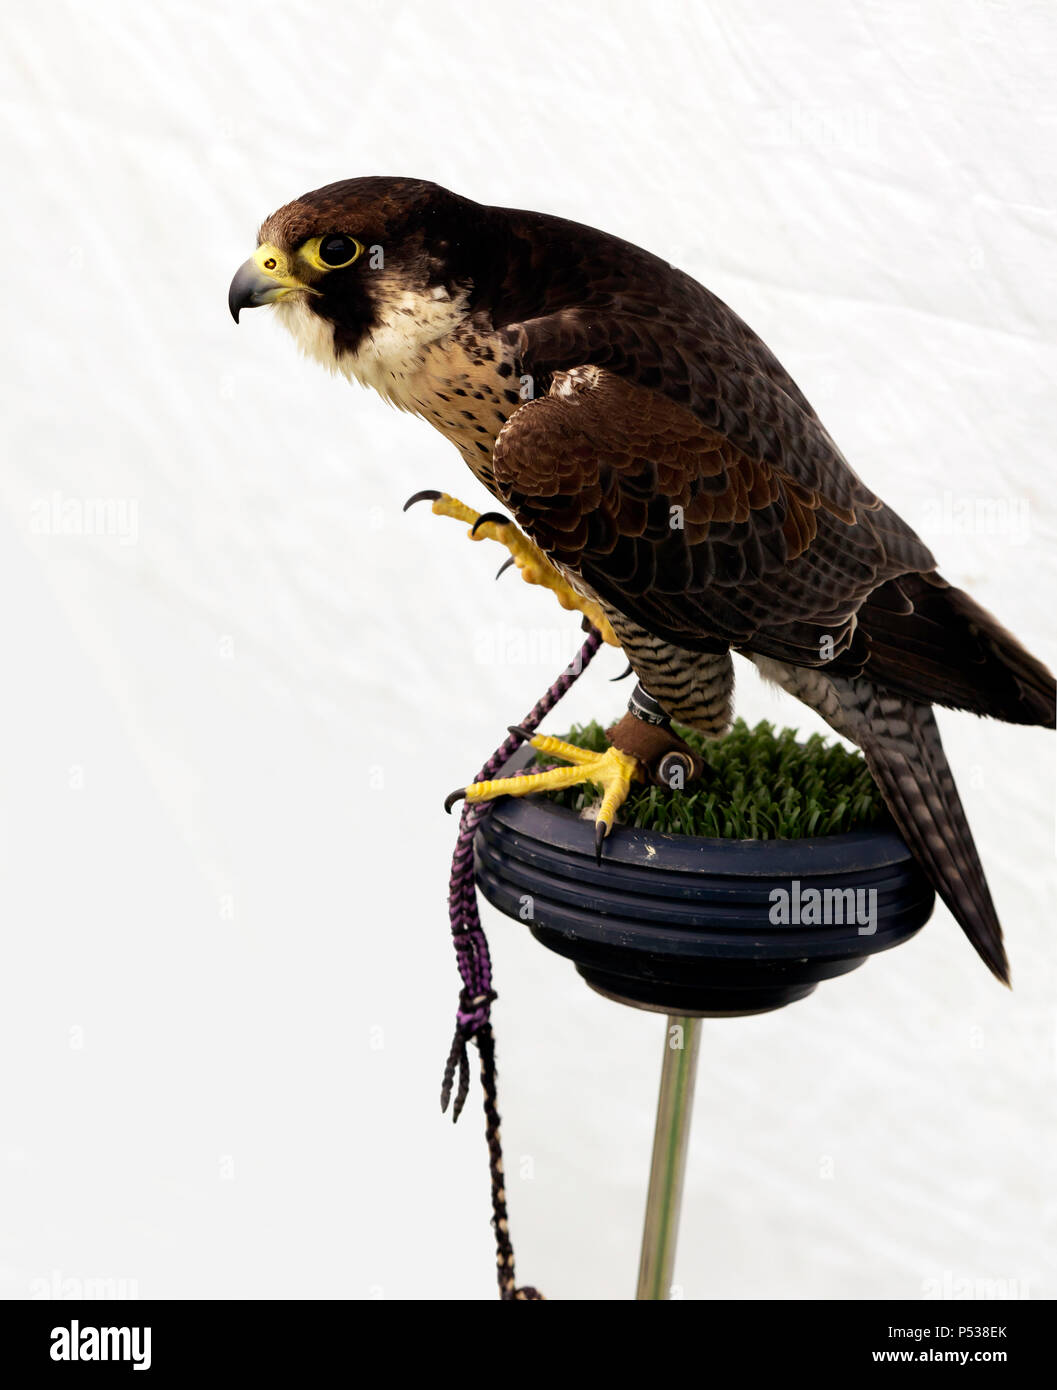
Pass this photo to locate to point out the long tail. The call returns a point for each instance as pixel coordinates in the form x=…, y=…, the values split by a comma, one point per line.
x=901, y=743
x=935, y=644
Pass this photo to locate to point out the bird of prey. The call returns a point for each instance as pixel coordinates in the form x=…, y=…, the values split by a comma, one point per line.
x=667, y=478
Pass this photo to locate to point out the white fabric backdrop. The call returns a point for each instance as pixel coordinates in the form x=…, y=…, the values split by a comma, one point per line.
x=229, y=720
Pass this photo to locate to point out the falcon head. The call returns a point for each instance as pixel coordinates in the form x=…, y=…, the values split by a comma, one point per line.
x=368, y=271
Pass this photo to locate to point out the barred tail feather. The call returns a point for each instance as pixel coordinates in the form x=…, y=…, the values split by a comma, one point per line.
x=901, y=743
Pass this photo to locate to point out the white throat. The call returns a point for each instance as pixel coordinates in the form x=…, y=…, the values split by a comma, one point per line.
x=392, y=356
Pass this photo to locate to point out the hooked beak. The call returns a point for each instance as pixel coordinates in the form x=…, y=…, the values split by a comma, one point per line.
x=263, y=279
x=252, y=287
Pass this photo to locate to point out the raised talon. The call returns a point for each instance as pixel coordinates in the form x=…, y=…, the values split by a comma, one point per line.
x=613, y=770
x=489, y=518
x=534, y=566
x=504, y=567
x=428, y=495
x=624, y=674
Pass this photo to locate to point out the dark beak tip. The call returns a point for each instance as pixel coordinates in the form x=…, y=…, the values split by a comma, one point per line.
x=243, y=291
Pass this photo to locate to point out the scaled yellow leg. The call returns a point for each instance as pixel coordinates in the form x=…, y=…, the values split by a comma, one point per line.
x=534, y=566
x=613, y=770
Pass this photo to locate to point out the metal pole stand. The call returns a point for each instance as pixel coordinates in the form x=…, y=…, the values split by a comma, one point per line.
x=671, y=1138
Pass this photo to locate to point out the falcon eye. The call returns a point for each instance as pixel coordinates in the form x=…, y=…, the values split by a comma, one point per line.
x=270, y=263
x=332, y=252
x=336, y=251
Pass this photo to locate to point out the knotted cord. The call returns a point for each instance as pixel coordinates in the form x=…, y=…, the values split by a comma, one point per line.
x=473, y=1018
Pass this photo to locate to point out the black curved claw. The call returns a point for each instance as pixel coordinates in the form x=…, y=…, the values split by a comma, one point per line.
x=453, y=797
x=428, y=495
x=504, y=566
x=523, y=734
x=624, y=674
x=497, y=517
x=600, y=839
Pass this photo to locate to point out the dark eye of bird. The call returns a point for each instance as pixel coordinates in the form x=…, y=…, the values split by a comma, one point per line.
x=336, y=250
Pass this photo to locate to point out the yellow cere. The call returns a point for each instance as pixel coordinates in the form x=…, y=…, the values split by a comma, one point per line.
x=276, y=265
x=296, y=272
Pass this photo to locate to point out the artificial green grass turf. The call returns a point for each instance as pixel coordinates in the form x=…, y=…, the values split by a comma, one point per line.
x=759, y=785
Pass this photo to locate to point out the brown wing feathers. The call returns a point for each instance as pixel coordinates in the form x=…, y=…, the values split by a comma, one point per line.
x=686, y=533
x=705, y=545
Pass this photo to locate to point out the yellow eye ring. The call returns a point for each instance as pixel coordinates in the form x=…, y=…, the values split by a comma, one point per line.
x=333, y=252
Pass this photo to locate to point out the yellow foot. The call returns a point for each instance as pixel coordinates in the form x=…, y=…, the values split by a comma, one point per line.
x=612, y=770
x=534, y=566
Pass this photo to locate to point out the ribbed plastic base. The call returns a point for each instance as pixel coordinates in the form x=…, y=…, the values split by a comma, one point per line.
x=693, y=926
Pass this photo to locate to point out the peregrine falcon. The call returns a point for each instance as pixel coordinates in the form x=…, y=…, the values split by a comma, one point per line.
x=667, y=478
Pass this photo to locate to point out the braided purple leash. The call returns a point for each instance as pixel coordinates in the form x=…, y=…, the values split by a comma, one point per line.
x=473, y=1019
